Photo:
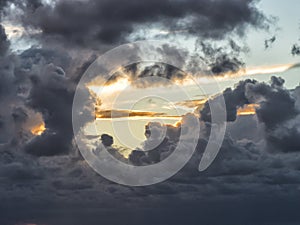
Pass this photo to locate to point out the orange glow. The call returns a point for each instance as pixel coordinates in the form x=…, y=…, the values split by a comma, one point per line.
x=177, y=124
x=260, y=70
x=125, y=113
x=269, y=69
x=247, y=110
x=38, y=129
x=176, y=118
x=119, y=85
x=192, y=103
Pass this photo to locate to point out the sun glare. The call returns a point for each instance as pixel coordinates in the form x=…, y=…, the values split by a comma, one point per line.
x=38, y=129
x=247, y=110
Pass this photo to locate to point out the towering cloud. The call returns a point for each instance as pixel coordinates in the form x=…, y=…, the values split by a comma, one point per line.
x=277, y=110
x=234, y=99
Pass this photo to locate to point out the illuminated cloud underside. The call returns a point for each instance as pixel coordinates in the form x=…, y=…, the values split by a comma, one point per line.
x=247, y=110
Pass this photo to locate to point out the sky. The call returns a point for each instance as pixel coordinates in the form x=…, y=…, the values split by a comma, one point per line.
x=147, y=112
x=287, y=33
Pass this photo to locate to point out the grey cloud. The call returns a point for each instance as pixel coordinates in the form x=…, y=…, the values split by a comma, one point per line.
x=42, y=81
x=160, y=143
x=85, y=22
x=52, y=96
x=253, y=129
x=277, y=104
x=277, y=110
x=152, y=74
x=4, y=43
x=234, y=98
x=295, y=50
x=269, y=42
x=107, y=140
x=221, y=60
x=246, y=183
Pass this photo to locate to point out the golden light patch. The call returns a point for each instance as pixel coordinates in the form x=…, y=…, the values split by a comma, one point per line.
x=247, y=110
x=192, y=103
x=101, y=114
x=120, y=85
x=38, y=129
x=35, y=123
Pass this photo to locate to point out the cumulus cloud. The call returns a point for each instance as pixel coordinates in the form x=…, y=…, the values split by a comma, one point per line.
x=277, y=110
x=36, y=81
x=277, y=104
x=233, y=100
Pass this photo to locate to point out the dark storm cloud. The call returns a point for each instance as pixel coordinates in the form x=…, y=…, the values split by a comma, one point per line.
x=35, y=56
x=165, y=71
x=36, y=81
x=90, y=23
x=3, y=4
x=254, y=131
x=247, y=184
x=26, y=5
x=277, y=104
x=277, y=110
x=40, y=80
x=223, y=64
x=233, y=100
x=285, y=136
x=243, y=176
x=52, y=95
x=84, y=22
x=4, y=43
x=107, y=140
x=9, y=98
x=147, y=74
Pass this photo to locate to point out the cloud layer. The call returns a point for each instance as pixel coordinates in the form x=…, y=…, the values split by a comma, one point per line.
x=44, y=180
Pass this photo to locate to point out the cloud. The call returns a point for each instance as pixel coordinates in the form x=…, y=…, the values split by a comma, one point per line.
x=255, y=177
x=158, y=145
x=295, y=50
x=244, y=168
x=158, y=74
x=277, y=104
x=221, y=60
x=192, y=103
x=86, y=22
x=4, y=43
x=107, y=140
x=125, y=113
x=276, y=110
x=51, y=95
x=234, y=99
x=269, y=42
x=35, y=82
